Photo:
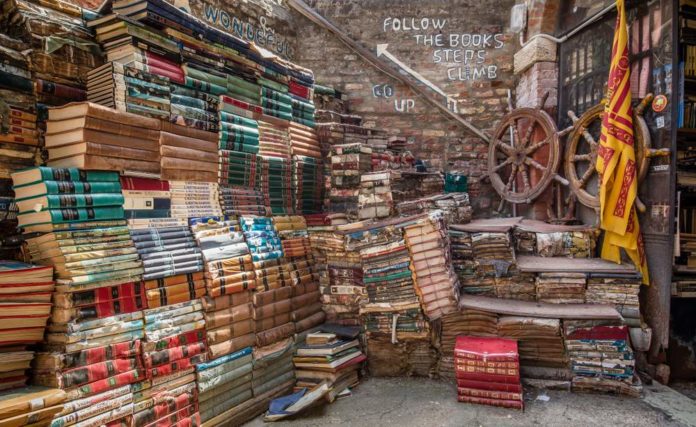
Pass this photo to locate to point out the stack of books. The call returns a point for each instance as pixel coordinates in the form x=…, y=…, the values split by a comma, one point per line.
x=274, y=96
x=325, y=357
x=387, y=273
x=304, y=141
x=195, y=199
x=129, y=88
x=621, y=291
x=488, y=371
x=30, y=406
x=224, y=383
x=303, y=111
x=561, y=288
x=90, y=136
x=307, y=176
x=242, y=201
x=25, y=301
x=348, y=163
x=188, y=154
x=301, y=90
x=539, y=340
x=273, y=367
x=147, y=202
x=601, y=358
x=276, y=184
x=174, y=344
x=463, y=322
x=19, y=142
x=306, y=306
x=273, y=321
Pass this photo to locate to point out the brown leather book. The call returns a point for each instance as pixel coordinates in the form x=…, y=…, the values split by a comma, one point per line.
x=270, y=310
x=269, y=297
x=273, y=321
x=129, y=137
x=226, y=347
x=231, y=331
x=167, y=151
x=229, y=315
x=95, y=149
x=274, y=335
x=226, y=301
x=87, y=109
x=189, y=132
x=188, y=175
x=85, y=161
x=173, y=140
x=310, y=322
x=189, y=165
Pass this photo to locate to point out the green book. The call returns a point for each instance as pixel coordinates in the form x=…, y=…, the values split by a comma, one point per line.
x=238, y=120
x=58, y=201
x=65, y=187
x=241, y=83
x=69, y=215
x=43, y=173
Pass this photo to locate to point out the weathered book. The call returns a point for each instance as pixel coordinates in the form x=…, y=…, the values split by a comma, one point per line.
x=57, y=201
x=86, y=161
x=19, y=273
x=62, y=361
x=27, y=399
x=516, y=404
x=42, y=173
x=82, y=110
x=64, y=188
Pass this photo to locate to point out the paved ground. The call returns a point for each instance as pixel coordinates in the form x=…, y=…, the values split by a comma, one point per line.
x=406, y=402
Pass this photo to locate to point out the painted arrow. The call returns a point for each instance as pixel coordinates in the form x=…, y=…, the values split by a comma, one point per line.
x=382, y=51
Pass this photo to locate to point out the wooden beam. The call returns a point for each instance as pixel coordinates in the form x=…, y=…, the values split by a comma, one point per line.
x=371, y=57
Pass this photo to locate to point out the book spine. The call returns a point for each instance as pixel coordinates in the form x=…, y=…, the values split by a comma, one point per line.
x=74, y=174
x=96, y=372
x=84, y=200
x=106, y=384
x=515, y=404
x=68, y=187
x=170, y=355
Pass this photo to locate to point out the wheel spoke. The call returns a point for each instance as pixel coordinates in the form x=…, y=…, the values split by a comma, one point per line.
x=582, y=157
x=525, y=179
x=511, y=179
x=502, y=165
x=505, y=148
x=588, y=137
x=537, y=145
x=516, y=133
x=536, y=165
x=586, y=177
x=528, y=134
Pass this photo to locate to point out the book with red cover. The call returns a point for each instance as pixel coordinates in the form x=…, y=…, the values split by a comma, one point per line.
x=489, y=394
x=487, y=376
x=599, y=333
x=490, y=385
x=486, y=348
x=143, y=184
x=15, y=272
x=515, y=404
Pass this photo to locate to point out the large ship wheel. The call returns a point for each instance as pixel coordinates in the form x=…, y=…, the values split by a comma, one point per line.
x=520, y=169
x=581, y=152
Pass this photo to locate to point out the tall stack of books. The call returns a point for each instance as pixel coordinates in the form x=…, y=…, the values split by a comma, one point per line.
x=325, y=357
x=301, y=90
x=464, y=322
x=274, y=96
x=19, y=140
x=98, y=298
x=90, y=136
x=306, y=306
x=188, y=154
x=25, y=301
x=387, y=273
x=230, y=278
x=174, y=343
x=375, y=198
x=601, y=358
x=276, y=172
x=308, y=184
x=130, y=89
x=348, y=163
x=561, y=288
x=436, y=283
x=621, y=291
x=539, y=340
x=488, y=371
x=224, y=384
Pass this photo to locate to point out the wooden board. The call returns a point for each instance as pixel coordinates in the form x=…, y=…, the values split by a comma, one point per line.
x=538, y=264
x=535, y=226
x=537, y=309
x=493, y=225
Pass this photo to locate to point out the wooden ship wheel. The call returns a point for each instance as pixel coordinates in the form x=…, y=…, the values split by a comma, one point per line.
x=524, y=155
x=583, y=143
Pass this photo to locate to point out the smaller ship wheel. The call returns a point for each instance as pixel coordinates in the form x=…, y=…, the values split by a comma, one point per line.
x=523, y=155
x=583, y=143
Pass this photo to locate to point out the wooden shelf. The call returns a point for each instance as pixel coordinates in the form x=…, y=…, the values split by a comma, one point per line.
x=687, y=132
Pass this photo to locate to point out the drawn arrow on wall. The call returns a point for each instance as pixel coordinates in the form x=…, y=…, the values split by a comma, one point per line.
x=382, y=51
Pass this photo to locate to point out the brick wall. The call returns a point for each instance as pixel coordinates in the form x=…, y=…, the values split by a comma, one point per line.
x=435, y=53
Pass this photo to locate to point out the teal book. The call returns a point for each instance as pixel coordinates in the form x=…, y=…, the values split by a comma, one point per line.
x=61, y=216
x=235, y=137
x=238, y=120
x=43, y=173
x=277, y=96
x=58, y=201
x=240, y=91
x=234, y=81
x=273, y=85
x=44, y=188
x=239, y=146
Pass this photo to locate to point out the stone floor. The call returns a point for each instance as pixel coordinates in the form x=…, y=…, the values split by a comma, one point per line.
x=406, y=402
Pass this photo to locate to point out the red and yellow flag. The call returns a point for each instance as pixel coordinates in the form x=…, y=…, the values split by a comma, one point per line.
x=616, y=160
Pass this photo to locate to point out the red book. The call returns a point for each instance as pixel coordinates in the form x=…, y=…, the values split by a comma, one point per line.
x=515, y=404
x=489, y=394
x=599, y=333
x=489, y=385
x=486, y=348
x=161, y=62
x=179, y=340
x=241, y=104
x=174, y=76
x=512, y=376
x=143, y=184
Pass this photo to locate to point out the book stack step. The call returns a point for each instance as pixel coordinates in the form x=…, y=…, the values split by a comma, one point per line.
x=601, y=358
x=326, y=357
x=621, y=291
x=561, y=288
x=188, y=154
x=375, y=197
x=275, y=100
x=304, y=141
x=272, y=315
x=539, y=340
x=387, y=273
x=435, y=282
x=237, y=133
x=488, y=371
x=25, y=304
x=224, y=383
x=306, y=307
x=19, y=141
x=90, y=136
x=237, y=200
x=174, y=344
x=465, y=322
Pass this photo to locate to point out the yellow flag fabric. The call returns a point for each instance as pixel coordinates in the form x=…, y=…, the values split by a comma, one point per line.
x=616, y=159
